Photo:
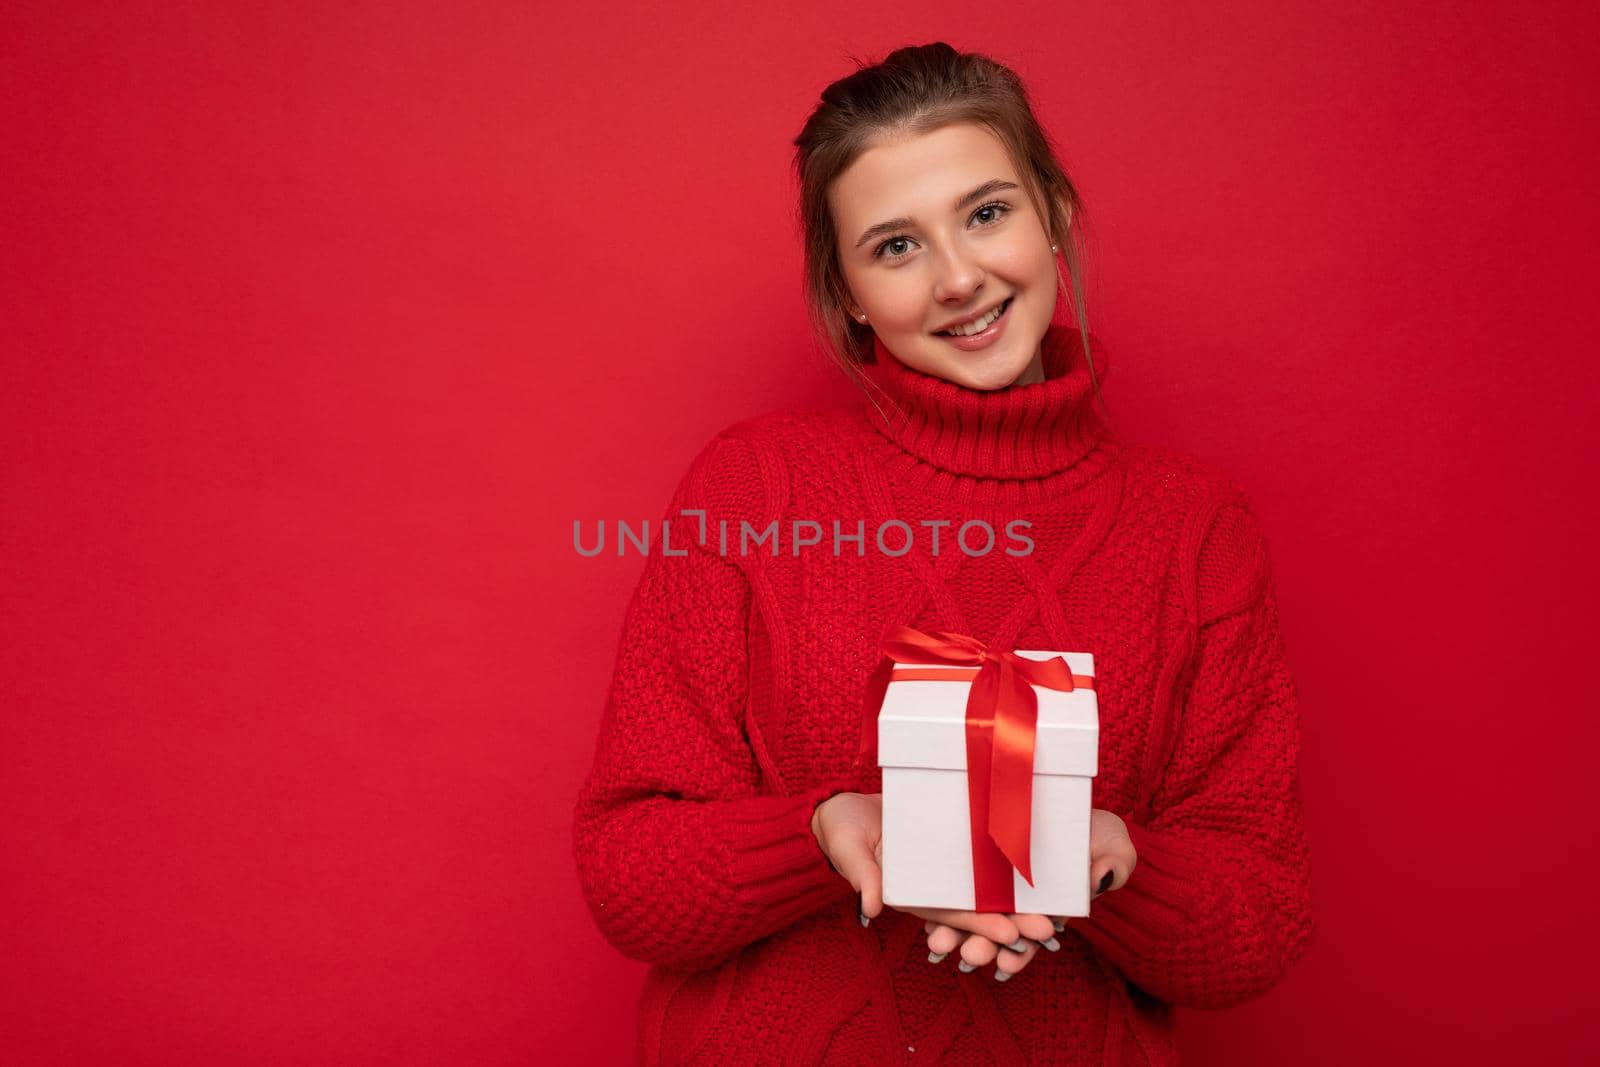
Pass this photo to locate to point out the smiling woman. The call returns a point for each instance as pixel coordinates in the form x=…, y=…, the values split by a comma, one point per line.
x=957, y=291
x=730, y=830
x=934, y=161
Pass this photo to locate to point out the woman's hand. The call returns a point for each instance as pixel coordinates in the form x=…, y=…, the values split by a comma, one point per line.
x=1111, y=861
x=849, y=829
x=949, y=930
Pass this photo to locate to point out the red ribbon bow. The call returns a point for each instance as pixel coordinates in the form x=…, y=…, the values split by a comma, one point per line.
x=1001, y=729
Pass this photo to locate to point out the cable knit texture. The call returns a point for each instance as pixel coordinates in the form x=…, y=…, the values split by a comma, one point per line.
x=736, y=706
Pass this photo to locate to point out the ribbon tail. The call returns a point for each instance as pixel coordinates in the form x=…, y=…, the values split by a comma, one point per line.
x=993, y=886
x=1016, y=721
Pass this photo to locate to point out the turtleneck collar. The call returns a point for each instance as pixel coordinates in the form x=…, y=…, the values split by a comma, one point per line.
x=1018, y=432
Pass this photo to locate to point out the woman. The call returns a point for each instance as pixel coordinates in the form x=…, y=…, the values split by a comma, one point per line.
x=728, y=832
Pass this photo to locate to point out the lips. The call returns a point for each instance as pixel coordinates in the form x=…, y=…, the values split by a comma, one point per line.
x=1005, y=305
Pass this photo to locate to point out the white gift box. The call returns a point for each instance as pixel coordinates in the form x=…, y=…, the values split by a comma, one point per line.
x=927, y=833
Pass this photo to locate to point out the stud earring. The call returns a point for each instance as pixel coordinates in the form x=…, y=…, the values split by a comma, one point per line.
x=1052, y=248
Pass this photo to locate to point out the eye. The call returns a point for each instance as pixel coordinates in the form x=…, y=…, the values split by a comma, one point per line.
x=891, y=241
x=998, y=210
x=997, y=206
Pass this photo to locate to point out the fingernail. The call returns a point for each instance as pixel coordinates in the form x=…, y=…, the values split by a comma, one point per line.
x=1105, y=882
x=1002, y=976
x=937, y=957
x=965, y=967
x=1019, y=945
x=1060, y=926
x=1053, y=945
x=860, y=911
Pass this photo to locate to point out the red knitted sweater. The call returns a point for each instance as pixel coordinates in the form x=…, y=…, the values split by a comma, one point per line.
x=736, y=707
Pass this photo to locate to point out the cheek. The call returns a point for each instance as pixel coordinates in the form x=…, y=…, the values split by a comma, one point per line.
x=1030, y=264
x=901, y=302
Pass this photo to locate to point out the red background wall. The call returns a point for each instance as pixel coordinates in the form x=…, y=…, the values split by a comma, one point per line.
x=323, y=324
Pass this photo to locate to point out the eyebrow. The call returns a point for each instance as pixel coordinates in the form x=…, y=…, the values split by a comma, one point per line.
x=993, y=185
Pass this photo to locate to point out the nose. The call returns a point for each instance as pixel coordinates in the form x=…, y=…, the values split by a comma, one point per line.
x=959, y=275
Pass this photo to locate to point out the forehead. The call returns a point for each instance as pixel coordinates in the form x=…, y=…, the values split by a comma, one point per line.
x=917, y=174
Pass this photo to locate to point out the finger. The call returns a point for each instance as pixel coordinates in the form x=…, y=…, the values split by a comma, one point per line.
x=853, y=857
x=1112, y=855
x=943, y=941
x=1039, y=929
x=1106, y=875
x=992, y=925
x=1008, y=963
x=977, y=951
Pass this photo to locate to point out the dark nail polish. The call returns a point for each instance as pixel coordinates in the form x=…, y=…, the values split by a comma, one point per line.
x=1105, y=882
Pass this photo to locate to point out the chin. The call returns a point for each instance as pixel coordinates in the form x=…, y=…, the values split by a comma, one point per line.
x=988, y=375
x=982, y=382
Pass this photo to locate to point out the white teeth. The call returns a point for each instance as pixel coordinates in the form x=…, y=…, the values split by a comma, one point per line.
x=976, y=327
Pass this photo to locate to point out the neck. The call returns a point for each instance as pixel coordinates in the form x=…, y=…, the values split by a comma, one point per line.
x=1034, y=371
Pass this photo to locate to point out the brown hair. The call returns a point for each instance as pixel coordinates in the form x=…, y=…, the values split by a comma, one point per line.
x=915, y=90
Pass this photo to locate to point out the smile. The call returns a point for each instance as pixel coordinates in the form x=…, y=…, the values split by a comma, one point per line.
x=985, y=330
x=977, y=325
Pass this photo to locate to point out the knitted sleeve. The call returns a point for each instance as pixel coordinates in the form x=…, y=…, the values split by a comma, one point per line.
x=682, y=858
x=1219, y=906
